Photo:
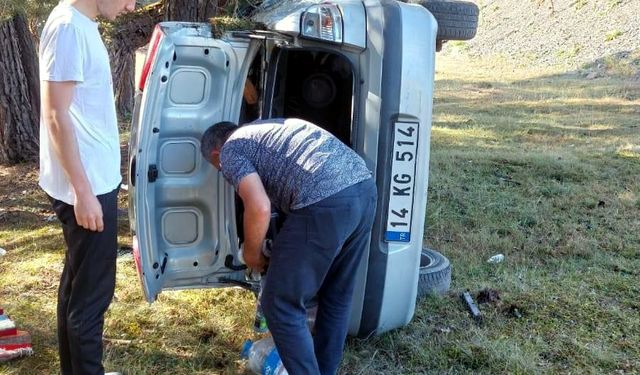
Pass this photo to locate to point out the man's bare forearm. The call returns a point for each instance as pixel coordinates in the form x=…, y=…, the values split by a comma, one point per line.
x=65, y=146
x=256, y=219
x=256, y=224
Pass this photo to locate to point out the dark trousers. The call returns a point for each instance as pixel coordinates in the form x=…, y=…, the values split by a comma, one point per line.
x=86, y=287
x=317, y=253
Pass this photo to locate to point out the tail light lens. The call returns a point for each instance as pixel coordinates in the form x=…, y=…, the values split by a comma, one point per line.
x=323, y=22
x=156, y=37
x=136, y=257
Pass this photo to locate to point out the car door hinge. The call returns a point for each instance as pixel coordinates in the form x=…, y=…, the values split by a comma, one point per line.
x=152, y=174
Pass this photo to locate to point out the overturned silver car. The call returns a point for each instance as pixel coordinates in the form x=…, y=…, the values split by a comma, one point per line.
x=362, y=70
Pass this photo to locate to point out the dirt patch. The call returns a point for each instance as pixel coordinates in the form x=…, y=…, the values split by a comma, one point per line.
x=17, y=180
x=22, y=218
x=23, y=202
x=491, y=296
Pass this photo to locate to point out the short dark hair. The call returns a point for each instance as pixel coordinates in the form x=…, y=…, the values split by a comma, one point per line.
x=214, y=137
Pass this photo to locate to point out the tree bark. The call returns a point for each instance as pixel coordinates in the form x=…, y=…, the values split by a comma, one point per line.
x=191, y=10
x=133, y=31
x=123, y=37
x=19, y=93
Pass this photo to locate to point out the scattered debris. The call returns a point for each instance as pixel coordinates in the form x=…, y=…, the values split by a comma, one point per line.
x=3, y=252
x=207, y=336
x=496, y=258
x=489, y=296
x=14, y=343
x=51, y=218
x=593, y=75
x=515, y=311
x=118, y=341
x=220, y=25
x=475, y=312
x=505, y=178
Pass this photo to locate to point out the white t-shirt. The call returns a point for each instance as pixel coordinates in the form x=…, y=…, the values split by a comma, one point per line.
x=71, y=49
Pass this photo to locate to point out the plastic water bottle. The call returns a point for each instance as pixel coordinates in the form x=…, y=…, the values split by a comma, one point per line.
x=263, y=357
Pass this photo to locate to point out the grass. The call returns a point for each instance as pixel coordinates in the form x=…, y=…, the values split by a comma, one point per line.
x=614, y=3
x=538, y=165
x=570, y=53
x=613, y=35
x=624, y=65
x=458, y=45
x=579, y=4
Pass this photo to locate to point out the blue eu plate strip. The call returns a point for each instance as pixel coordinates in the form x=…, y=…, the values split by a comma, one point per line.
x=398, y=236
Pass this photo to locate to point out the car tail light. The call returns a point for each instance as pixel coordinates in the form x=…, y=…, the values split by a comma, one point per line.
x=322, y=21
x=136, y=256
x=156, y=37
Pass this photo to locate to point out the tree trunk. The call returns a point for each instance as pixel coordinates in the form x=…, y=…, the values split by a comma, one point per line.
x=190, y=10
x=133, y=31
x=129, y=33
x=123, y=63
x=19, y=93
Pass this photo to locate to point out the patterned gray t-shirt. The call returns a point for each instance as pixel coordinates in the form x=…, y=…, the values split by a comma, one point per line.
x=298, y=162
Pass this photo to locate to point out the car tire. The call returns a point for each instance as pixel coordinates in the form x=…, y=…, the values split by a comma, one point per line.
x=435, y=273
x=457, y=20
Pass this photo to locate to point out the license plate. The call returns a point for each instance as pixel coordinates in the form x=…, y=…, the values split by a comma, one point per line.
x=401, y=189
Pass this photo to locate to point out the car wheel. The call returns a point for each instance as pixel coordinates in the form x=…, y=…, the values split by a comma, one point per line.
x=435, y=273
x=457, y=20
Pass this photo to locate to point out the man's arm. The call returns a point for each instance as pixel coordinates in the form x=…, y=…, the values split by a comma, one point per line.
x=56, y=100
x=257, y=214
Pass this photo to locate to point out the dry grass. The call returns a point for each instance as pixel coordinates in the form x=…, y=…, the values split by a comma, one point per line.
x=541, y=166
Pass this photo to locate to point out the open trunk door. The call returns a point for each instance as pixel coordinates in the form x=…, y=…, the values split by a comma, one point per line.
x=185, y=233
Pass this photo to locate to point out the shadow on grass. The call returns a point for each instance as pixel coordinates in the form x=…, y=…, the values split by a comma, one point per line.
x=206, y=350
x=142, y=359
x=21, y=218
x=40, y=243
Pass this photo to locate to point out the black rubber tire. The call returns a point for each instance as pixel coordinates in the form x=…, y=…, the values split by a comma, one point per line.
x=435, y=273
x=457, y=20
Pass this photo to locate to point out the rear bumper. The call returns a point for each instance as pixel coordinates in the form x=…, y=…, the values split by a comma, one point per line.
x=388, y=281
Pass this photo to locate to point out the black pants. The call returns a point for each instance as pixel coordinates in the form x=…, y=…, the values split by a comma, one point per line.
x=86, y=287
x=317, y=253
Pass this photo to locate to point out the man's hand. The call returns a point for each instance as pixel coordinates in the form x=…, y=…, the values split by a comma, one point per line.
x=250, y=93
x=88, y=211
x=255, y=260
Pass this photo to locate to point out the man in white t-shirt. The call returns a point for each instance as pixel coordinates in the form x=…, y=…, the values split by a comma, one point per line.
x=80, y=171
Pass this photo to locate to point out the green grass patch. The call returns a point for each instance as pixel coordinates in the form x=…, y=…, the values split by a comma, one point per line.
x=458, y=45
x=623, y=65
x=579, y=4
x=614, y=3
x=613, y=35
x=569, y=53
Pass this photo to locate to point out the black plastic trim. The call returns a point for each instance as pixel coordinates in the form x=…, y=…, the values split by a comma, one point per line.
x=152, y=173
x=228, y=262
